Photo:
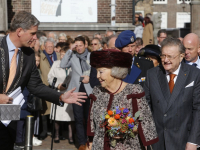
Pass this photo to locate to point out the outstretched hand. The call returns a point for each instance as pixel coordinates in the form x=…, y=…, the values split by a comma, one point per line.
x=73, y=97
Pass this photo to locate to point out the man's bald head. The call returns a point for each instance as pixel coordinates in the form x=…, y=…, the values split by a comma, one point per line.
x=191, y=44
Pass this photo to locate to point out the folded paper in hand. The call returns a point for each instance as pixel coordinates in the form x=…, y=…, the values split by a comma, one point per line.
x=10, y=112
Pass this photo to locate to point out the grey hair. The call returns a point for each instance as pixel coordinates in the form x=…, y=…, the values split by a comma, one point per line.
x=170, y=41
x=24, y=20
x=110, y=31
x=119, y=72
x=50, y=40
x=42, y=40
x=110, y=37
x=55, y=35
x=97, y=33
x=62, y=34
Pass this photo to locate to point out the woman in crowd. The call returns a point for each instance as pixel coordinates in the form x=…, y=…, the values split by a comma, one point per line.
x=62, y=37
x=87, y=42
x=62, y=113
x=147, y=36
x=152, y=52
x=112, y=66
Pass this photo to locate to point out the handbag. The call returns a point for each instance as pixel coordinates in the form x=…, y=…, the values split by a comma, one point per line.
x=34, y=103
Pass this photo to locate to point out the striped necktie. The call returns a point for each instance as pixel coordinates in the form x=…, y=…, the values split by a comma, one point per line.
x=13, y=69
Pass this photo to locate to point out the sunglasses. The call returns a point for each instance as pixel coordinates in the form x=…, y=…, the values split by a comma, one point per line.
x=94, y=44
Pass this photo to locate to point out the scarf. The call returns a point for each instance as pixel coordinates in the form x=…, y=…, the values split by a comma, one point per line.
x=49, y=59
x=83, y=58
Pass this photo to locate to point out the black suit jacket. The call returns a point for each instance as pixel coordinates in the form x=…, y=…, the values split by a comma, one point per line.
x=29, y=74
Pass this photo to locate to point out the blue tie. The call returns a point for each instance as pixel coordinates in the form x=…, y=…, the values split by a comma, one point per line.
x=194, y=64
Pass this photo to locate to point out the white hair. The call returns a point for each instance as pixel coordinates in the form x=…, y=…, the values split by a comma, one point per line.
x=55, y=35
x=62, y=34
x=42, y=39
x=119, y=72
x=50, y=40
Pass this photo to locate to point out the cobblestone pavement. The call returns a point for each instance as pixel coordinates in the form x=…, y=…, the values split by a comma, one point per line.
x=63, y=145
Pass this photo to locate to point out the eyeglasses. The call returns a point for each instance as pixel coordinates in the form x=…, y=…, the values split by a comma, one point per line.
x=94, y=44
x=168, y=56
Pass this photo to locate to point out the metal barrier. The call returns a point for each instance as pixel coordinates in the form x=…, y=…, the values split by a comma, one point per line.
x=29, y=132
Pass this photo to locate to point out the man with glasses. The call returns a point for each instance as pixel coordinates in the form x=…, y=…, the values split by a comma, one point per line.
x=173, y=93
x=96, y=44
x=162, y=34
x=126, y=42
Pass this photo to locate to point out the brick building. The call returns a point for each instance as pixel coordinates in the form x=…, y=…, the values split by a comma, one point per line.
x=123, y=15
x=123, y=18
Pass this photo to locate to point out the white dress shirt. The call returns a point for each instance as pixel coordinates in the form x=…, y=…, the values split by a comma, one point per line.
x=197, y=62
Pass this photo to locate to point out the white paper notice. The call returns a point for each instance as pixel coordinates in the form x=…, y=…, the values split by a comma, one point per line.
x=18, y=99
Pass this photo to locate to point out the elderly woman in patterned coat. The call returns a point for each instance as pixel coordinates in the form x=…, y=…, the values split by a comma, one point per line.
x=112, y=66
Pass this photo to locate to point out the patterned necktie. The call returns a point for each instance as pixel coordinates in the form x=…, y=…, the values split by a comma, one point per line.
x=13, y=68
x=194, y=64
x=171, y=82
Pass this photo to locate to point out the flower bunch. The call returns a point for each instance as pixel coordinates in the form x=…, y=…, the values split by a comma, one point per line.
x=120, y=123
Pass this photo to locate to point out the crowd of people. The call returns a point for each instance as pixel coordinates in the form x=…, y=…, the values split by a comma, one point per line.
x=125, y=70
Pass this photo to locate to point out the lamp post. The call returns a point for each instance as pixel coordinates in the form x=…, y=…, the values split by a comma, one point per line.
x=183, y=4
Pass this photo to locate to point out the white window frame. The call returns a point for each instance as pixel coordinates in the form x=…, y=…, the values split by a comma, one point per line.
x=177, y=13
x=179, y=2
x=160, y=2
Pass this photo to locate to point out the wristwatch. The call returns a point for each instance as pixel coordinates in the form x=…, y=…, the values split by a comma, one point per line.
x=61, y=103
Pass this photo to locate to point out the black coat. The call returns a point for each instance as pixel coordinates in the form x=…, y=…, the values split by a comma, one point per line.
x=138, y=72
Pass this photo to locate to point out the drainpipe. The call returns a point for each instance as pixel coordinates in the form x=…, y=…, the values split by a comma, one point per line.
x=113, y=4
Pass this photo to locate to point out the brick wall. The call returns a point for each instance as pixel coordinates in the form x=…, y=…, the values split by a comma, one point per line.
x=103, y=11
x=123, y=10
x=17, y=5
x=171, y=8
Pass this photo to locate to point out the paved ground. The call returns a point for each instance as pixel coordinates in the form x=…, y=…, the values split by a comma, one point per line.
x=63, y=145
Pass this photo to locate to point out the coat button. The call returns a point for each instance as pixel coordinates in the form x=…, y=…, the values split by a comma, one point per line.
x=165, y=115
x=165, y=129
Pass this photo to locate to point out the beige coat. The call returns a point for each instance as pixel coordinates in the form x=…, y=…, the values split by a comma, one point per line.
x=147, y=36
x=45, y=68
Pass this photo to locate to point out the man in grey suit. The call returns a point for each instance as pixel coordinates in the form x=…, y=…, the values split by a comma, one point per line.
x=79, y=63
x=173, y=93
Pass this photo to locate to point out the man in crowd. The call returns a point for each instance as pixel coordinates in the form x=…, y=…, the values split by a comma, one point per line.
x=139, y=45
x=19, y=70
x=192, y=48
x=126, y=42
x=96, y=44
x=47, y=57
x=109, y=33
x=97, y=35
x=53, y=36
x=104, y=43
x=79, y=63
x=161, y=35
x=173, y=93
x=111, y=42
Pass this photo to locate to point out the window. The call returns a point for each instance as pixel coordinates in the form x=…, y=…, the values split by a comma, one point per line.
x=159, y=1
x=181, y=1
x=182, y=18
x=163, y=20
